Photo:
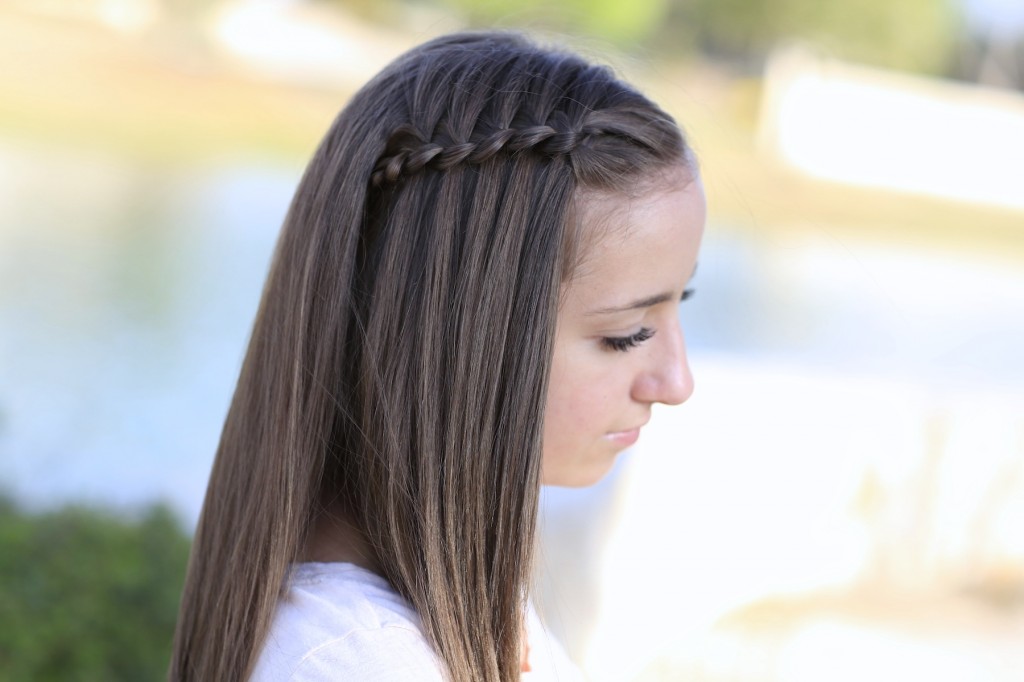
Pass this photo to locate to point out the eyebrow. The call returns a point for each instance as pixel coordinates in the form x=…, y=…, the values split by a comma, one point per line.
x=645, y=302
x=635, y=305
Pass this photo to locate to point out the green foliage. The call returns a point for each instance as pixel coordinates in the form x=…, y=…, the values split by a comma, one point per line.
x=917, y=35
x=85, y=595
x=613, y=20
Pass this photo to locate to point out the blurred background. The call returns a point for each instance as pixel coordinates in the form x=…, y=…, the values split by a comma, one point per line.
x=842, y=498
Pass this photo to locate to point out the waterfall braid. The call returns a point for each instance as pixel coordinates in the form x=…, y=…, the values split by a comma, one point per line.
x=399, y=361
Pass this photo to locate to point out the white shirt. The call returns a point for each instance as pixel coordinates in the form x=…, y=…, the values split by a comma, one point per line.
x=337, y=621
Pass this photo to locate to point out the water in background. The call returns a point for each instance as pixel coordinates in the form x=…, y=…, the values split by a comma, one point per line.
x=126, y=296
x=127, y=293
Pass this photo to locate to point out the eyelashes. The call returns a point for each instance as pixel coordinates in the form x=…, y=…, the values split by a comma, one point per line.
x=624, y=343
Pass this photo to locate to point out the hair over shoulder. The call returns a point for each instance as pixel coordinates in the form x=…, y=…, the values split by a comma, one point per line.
x=399, y=360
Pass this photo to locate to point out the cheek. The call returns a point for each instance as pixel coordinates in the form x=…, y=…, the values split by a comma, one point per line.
x=560, y=419
x=577, y=407
x=578, y=415
x=567, y=414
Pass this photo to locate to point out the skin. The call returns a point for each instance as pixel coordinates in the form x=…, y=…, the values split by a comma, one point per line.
x=605, y=374
x=599, y=396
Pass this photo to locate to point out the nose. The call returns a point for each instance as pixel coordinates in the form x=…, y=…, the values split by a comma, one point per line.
x=666, y=378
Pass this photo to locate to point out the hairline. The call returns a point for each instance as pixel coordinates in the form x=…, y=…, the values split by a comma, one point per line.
x=585, y=232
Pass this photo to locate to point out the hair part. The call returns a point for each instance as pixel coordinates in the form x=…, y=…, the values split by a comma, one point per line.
x=399, y=360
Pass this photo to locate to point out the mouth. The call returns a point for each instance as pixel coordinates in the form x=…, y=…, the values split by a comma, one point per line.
x=624, y=438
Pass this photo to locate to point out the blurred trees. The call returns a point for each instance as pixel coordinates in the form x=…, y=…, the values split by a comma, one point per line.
x=917, y=35
x=613, y=20
x=85, y=595
x=994, y=59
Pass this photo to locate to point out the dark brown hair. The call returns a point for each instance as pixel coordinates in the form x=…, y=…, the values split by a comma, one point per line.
x=399, y=360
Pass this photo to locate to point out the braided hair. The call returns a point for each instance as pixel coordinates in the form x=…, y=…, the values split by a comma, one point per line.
x=536, y=120
x=399, y=362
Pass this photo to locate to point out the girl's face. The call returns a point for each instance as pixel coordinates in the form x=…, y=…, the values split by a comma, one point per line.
x=618, y=344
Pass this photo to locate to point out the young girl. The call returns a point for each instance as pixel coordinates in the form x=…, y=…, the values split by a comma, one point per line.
x=475, y=292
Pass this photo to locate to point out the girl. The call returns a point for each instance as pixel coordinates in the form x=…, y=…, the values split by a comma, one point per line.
x=475, y=292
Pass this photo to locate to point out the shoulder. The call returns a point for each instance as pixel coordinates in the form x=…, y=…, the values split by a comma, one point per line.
x=340, y=622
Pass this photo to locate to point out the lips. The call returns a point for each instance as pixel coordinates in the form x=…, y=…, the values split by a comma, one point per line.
x=627, y=437
x=624, y=438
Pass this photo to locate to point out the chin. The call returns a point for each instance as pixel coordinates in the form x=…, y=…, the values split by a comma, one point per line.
x=577, y=478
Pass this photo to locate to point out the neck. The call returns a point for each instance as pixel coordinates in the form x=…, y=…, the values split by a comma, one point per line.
x=334, y=538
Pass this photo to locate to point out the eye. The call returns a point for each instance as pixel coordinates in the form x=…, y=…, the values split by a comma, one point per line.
x=624, y=343
x=687, y=295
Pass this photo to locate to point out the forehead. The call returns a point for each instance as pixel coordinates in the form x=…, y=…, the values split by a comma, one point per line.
x=639, y=237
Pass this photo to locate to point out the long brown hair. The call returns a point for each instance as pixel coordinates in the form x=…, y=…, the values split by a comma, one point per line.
x=399, y=360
